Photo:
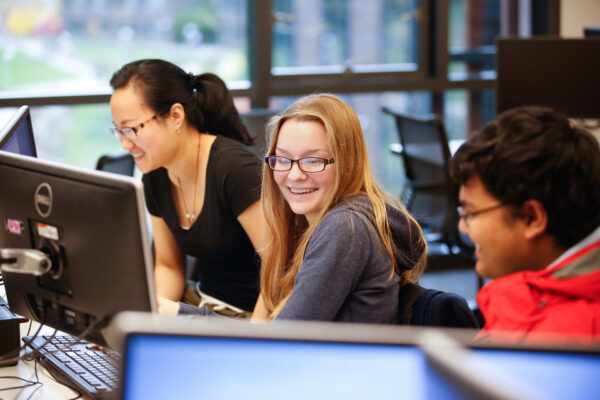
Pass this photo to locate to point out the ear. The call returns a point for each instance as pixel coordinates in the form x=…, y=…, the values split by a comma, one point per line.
x=177, y=115
x=535, y=218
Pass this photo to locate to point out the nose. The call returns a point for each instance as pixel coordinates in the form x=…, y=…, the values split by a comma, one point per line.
x=462, y=226
x=126, y=143
x=296, y=173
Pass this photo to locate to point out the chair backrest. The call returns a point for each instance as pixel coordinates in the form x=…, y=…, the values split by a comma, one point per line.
x=119, y=164
x=256, y=122
x=432, y=197
x=431, y=307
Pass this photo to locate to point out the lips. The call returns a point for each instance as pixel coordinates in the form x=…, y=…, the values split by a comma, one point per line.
x=137, y=155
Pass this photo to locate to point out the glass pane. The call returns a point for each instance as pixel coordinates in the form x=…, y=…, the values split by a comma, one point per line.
x=466, y=111
x=76, y=135
x=315, y=36
x=70, y=44
x=472, y=29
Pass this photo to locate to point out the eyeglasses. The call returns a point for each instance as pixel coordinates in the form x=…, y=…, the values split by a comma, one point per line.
x=468, y=216
x=130, y=132
x=307, y=164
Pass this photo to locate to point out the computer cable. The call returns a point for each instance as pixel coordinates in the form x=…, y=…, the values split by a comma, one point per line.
x=27, y=384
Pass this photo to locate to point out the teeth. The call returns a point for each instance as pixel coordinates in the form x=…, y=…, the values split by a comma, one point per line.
x=301, y=191
x=136, y=155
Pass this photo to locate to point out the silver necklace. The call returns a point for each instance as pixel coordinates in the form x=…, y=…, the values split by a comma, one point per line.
x=191, y=217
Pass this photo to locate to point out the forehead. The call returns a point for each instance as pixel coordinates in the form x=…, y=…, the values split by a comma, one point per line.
x=300, y=135
x=127, y=98
x=473, y=192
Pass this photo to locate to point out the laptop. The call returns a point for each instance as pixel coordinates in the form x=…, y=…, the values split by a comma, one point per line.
x=184, y=357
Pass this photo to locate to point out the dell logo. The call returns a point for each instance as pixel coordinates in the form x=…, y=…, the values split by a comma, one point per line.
x=43, y=199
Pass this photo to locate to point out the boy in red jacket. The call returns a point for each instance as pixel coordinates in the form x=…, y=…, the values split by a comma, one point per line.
x=530, y=202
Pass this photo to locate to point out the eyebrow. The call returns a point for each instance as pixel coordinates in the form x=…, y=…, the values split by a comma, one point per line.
x=309, y=151
x=125, y=122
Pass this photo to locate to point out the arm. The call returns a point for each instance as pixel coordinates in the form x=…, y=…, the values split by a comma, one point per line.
x=260, y=313
x=252, y=220
x=169, y=272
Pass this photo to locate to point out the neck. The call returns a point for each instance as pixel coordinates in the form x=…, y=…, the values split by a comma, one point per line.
x=545, y=251
x=181, y=170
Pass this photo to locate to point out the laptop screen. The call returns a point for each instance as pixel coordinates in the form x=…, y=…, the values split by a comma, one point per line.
x=186, y=358
x=233, y=368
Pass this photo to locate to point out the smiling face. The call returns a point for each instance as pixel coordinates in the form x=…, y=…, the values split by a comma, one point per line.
x=305, y=192
x=150, y=148
x=499, y=236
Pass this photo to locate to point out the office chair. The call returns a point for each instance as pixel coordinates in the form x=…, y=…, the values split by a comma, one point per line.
x=119, y=164
x=429, y=194
x=256, y=122
x=430, y=307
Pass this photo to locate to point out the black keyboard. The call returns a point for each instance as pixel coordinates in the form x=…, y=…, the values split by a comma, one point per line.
x=91, y=369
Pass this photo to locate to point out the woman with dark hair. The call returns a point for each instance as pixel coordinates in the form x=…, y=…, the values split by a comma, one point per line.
x=202, y=185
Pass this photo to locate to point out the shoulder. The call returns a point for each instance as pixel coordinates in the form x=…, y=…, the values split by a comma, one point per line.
x=350, y=216
x=227, y=147
x=356, y=208
x=230, y=155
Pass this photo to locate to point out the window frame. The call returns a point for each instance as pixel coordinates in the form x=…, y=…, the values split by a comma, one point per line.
x=430, y=75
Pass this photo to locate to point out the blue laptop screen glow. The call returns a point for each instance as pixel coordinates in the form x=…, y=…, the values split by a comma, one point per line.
x=159, y=367
x=222, y=368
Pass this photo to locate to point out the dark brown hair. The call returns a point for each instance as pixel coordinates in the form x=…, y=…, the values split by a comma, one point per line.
x=536, y=153
x=207, y=102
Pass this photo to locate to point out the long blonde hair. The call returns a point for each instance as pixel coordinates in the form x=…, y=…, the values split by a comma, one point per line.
x=288, y=233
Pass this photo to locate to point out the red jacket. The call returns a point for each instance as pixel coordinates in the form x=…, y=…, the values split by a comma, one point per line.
x=561, y=302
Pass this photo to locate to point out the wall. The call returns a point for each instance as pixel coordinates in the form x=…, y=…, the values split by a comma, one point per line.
x=576, y=14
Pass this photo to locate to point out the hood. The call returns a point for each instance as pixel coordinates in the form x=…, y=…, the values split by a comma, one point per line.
x=406, y=234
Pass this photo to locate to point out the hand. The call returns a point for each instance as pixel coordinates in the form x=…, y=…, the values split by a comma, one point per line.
x=166, y=306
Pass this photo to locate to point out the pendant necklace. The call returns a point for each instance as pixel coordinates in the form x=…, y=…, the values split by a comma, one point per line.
x=191, y=217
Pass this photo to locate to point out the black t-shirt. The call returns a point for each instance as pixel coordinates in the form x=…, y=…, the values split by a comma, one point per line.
x=227, y=264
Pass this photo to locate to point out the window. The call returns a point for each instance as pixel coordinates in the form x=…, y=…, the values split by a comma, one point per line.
x=415, y=55
x=473, y=29
x=332, y=36
x=73, y=44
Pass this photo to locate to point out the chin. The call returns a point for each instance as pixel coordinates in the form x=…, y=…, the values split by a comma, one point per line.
x=481, y=271
x=299, y=210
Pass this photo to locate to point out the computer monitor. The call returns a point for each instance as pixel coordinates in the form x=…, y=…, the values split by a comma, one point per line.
x=224, y=359
x=17, y=135
x=558, y=73
x=591, y=32
x=82, y=240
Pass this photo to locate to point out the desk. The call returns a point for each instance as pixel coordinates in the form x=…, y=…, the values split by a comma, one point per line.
x=50, y=389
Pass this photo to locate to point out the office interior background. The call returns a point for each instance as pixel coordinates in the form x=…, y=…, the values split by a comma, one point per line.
x=419, y=56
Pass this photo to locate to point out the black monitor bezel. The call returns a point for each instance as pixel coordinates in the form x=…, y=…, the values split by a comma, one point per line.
x=14, y=283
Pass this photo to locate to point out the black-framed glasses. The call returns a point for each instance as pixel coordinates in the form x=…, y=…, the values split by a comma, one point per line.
x=467, y=216
x=306, y=164
x=130, y=132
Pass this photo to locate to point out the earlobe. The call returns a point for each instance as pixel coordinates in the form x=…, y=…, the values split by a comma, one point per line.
x=177, y=113
x=536, y=218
